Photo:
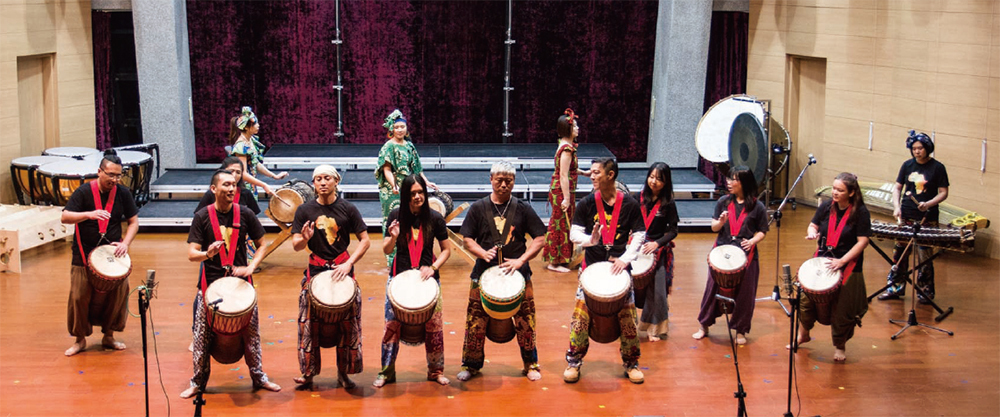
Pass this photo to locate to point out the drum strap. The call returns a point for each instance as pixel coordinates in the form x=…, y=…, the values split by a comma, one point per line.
x=415, y=244
x=647, y=218
x=228, y=252
x=833, y=231
x=736, y=224
x=500, y=237
x=102, y=225
x=608, y=230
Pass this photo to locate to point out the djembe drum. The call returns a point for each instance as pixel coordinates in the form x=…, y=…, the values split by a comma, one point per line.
x=605, y=295
x=501, y=294
x=821, y=285
x=413, y=300
x=331, y=302
x=727, y=264
x=239, y=299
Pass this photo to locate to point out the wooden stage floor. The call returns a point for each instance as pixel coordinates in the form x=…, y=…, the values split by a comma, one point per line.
x=921, y=373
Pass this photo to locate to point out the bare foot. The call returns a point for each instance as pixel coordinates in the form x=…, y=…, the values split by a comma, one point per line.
x=741, y=339
x=270, y=386
x=701, y=333
x=77, y=347
x=381, y=380
x=303, y=380
x=839, y=355
x=191, y=346
x=190, y=392
x=533, y=375
x=440, y=379
x=803, y=339
x=557, y=268
x=653, y=337
x=109, y=343
x=345, y=381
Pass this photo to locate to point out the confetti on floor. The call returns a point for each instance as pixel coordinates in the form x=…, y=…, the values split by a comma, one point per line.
x=281, y=341
x=964, y=381
x=181, y=304
x=600, y=406
x=451, y=397
x=315, y=395
x=774, y=354
x=271, y=316
x=451, y=332
x=564, y=326
x=234, y=369
x=17, y=381
x=841, y=388
x=81, y=372
x=131, y=384
x=728, y=356
x=815, y=367
x=447, y=322
x=241, y=376
x=270, y=343
x=768, y=381
x=644, y=368
x=156, y=333
x=545, y=388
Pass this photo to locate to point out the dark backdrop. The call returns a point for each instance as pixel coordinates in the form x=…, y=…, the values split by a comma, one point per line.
x=440, y=62
x=727, y=71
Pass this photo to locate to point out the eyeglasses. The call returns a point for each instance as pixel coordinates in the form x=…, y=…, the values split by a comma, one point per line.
x=113, y=175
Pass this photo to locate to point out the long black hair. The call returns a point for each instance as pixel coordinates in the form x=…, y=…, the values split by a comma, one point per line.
x=406, y=218
x=749, y=185
x=857, y=200
x=666, y=196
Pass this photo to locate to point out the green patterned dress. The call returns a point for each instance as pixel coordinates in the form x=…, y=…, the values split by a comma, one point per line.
x=252, y=152
x=404, y=161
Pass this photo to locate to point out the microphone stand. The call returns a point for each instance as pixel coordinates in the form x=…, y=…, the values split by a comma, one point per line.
x=793, y=344
x=199, y=399
x=145, y=293
x=740, y=393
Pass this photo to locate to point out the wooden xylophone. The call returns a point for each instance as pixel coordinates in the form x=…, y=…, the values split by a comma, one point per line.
x=950, y=238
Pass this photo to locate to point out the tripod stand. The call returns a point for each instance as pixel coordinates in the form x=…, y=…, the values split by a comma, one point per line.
x=911, y=318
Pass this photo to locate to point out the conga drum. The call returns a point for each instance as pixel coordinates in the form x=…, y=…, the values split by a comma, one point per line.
x=294, y=193
x=501, y=294
x=239, y=299
x=413, y=300
x=606, y=295
x=821, y=285
x=76, y=152
x=22, y=172
x=107, y=271
x=58, y=180
x=727, y=264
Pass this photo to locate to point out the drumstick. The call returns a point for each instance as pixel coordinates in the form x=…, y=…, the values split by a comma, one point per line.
x=912, y=198
x=275, y=196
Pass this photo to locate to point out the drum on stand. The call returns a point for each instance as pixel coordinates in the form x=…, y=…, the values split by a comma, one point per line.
x=331, y=302
x=23, y=175
x=440, y=202
x=75, y=152
x=239, y=299
x=821, y=285
x=727, y=264
x=413, y=300
x=295, y=193
x=605, y=295
x=137, y=171
x=713, y=133
x=107, y=271
x=501, y=294
x=58, y=180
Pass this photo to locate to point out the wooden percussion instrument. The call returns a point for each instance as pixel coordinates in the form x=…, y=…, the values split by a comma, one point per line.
x=413, y=300
x=950, y=238
x=239, y=299
x=821, y=285
x=332, y=301
x=295, y=193
x=107, y=271
x=606, y=295
x=727, y=264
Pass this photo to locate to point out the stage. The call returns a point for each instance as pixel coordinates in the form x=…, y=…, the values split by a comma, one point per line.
x=921, y=373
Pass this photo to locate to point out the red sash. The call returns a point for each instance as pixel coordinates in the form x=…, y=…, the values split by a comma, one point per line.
x=647, y=218
x=736, y=224
x=317, y=261
x=833, y=231
x=608, y=230
x=416, y=247
x=102, y=225
x=228, y=254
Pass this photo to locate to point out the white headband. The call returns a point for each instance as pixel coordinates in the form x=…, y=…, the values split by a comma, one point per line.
x=327, y=170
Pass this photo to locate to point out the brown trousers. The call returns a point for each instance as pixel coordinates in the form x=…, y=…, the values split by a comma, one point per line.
x=88, y=307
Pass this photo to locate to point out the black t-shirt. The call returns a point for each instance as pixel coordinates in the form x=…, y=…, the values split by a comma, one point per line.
x=201, y=232
x=753, y=222
x=629, y=221
x=663, y=228
x=82, y=200
x=860, y=226
x=339, y=220
x=246, y=199
x=438, y=230
x=923, y=181
x=483, y=216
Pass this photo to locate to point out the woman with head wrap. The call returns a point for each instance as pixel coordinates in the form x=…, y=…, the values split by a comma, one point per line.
x=246, y=146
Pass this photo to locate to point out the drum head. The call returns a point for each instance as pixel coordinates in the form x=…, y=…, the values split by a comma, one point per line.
x=597, y=281
x=409, y=291
x=327, y=291
x=237, y=295
x=73, y=168
x=440, y=202
x=748, y=145
x=103, y=260
x=727, y=258
x=714, y=128
x=815, y=276
x=643, y=263
x=500, y=285
x=71, y=151
x=35, y=161
x=134, y=157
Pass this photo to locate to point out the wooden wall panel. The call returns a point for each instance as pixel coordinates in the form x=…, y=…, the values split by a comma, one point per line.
x=932, y=66
x=75, y=67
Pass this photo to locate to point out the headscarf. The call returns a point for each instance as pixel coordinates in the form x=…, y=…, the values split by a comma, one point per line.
x=922, y=138
x=395, y=116
x=326, y=170
x=245, y=116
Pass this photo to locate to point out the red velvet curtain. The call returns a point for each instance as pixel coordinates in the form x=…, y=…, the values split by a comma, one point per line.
x=727, y=69
x=440, y=62
x=101, y=29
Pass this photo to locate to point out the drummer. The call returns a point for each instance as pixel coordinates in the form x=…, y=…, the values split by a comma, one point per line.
x=211, y=228
x=502, y=217
x=97, y=223
x=411, y=231
x=325, y=225
x=842, y=227
x=612, y=217
x=741, y=211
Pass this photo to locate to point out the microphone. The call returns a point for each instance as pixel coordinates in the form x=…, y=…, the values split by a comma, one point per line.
x=812, y=160
x=726, y=299
x=786, y=272
x=150, y=282
x=215, y=303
